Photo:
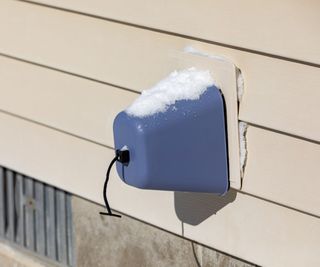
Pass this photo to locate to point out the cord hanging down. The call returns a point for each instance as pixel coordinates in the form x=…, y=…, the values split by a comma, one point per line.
x=122, y=156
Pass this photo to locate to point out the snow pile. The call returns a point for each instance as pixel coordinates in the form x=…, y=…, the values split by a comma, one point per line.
x=188, y=84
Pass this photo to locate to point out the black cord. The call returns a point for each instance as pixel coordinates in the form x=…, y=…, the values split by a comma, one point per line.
x=109, y=213
x=122, y=156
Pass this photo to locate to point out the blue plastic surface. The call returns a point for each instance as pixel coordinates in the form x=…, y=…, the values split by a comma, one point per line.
x=182, y=149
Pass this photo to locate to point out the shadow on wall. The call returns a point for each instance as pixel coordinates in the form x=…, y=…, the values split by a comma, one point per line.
x=194, y=208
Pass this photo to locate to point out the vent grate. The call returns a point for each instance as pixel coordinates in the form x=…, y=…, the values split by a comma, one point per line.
x=36, y=216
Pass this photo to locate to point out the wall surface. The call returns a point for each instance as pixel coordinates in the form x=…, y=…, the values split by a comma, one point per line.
x=12, y=256
x=106, y=241
x=67, y=68
x=102, y=241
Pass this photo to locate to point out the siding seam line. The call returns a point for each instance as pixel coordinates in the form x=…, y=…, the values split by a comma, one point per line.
x=53, y=128
x=234, y=47
x=67, y=72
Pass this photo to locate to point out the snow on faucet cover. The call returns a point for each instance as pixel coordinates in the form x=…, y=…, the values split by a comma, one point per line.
x=176, y=136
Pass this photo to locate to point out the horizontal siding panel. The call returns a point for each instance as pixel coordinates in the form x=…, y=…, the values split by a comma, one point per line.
x=265, y=234
x=283, y=168
x=291, y=107
x=246, y=227
x=100, y=50
x=87, y=109
x=287, y=28
x=72, y=104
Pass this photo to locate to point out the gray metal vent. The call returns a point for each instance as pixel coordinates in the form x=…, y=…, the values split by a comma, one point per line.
x=36, y=216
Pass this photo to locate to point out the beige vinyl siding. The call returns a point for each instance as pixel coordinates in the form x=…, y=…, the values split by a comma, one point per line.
x=135, y=58
x=69, y=103
x=64, y=76
x=86, y=109
x=284, y=169
x=247, y=227
x=267, y=234
x=287, y=28
x=287, y=99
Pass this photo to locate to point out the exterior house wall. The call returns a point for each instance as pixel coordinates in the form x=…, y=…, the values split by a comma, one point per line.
x=67, y=68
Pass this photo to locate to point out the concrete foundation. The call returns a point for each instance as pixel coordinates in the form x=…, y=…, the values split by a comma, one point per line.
x=102, y=241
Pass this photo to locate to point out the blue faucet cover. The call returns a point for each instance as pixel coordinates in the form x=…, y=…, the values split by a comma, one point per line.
x=181, y=149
